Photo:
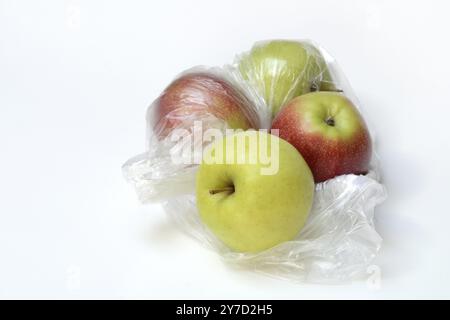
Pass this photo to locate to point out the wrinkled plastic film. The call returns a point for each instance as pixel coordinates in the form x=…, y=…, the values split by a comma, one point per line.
x=339, y=241
x=337, y=244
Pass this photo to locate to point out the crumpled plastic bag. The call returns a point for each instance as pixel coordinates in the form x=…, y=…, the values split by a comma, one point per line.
x=339, y=241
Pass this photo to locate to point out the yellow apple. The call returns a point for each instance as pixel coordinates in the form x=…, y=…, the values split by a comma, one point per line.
x=284, y=69
x=254, y=190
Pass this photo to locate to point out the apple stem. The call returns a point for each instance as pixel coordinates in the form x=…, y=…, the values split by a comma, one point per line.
x=330, y=121
x=225, y=189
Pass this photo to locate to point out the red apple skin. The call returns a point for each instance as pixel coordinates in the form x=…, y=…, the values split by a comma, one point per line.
x=201, y=97
x=327, y=157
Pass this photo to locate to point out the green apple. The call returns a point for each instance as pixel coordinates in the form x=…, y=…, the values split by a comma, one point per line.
x=247, y=206
x=283, y=69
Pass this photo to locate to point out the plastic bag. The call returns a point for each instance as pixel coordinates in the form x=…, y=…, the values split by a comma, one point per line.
x=339, y=241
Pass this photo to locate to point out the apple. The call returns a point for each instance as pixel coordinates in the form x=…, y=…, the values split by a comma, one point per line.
x=247, y=210
x=284, y=69
x=201, y=96
x=329, y=132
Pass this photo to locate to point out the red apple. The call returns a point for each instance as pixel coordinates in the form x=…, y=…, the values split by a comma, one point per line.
x=329, y=132
x=201, y=96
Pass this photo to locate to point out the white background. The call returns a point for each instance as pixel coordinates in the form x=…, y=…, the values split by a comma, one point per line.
x=75, y=79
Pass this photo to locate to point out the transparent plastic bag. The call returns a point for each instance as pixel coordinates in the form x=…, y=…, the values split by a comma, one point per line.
x=339, y=241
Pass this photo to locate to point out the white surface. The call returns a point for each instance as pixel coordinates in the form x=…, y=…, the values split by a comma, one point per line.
x=75, y=79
